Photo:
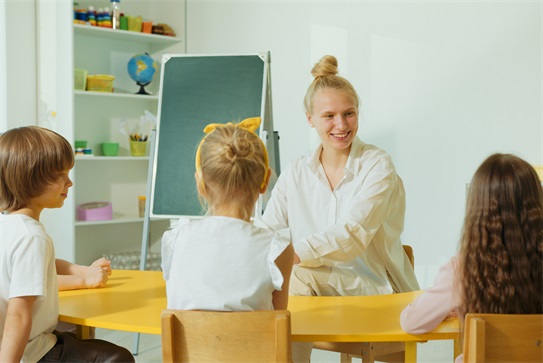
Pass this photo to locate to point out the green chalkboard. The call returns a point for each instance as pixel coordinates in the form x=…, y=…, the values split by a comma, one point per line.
x=197, y=90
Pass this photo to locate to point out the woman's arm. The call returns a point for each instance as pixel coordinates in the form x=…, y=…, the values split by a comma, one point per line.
x=17, y=328
x=370, y=207
x=378, y=197
x=428, y=310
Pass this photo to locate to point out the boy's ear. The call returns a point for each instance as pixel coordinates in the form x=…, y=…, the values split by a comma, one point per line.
x=265, y=187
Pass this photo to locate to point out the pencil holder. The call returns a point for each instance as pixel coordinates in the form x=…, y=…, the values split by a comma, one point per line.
x=138, y=148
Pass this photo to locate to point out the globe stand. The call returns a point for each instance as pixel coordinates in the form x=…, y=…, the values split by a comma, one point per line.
x=142, y=90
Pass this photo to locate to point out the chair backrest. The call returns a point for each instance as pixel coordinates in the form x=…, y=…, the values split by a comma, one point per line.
x=503, y=338
x=539, y=171
x=213, y=336
x=409, y=252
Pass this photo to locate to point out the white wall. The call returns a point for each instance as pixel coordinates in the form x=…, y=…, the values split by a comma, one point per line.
x=19, y=56
x=443, y=85
x=3, y=81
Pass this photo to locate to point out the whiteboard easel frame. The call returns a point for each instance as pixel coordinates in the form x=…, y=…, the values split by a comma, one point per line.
x=266, y=132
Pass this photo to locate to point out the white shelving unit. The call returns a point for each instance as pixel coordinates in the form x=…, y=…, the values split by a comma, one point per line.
x=120, y=179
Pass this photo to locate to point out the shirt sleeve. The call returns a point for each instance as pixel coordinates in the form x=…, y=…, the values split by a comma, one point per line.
x=428, y=310
x=30, y=267
x=168, y=243
x=350, y=236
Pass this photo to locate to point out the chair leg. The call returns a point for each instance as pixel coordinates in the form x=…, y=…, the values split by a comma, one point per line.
x=368, y=353
x=136, y=348
x=398, y=357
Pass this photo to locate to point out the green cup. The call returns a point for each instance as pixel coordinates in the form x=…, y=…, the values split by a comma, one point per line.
x=110, y=148
x=80, y=144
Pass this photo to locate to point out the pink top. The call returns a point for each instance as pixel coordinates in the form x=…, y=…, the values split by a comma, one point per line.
x=428, y=310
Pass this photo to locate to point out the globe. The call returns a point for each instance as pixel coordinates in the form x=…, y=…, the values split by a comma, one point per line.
x=142, y=68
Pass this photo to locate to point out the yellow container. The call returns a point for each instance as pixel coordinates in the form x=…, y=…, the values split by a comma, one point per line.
x=100, y=83
x=80, y=79
x=138, y=148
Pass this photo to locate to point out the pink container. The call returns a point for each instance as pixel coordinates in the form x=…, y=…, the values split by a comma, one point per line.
x=95, y=211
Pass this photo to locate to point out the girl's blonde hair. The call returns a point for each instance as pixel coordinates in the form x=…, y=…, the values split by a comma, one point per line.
x=501, y=248
x=31, y=159
x=325, y=74
x=233, y=164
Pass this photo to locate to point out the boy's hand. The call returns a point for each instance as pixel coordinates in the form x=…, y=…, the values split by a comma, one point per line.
x=102, y=263
x=96, y=276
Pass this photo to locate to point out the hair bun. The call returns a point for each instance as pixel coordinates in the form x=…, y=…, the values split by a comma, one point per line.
x=327, y=66
x=239, y=148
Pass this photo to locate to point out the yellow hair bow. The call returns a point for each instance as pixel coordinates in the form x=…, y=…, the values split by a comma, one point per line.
x=250, y=124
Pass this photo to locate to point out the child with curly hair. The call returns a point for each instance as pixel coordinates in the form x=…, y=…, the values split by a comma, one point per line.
x=499, y=266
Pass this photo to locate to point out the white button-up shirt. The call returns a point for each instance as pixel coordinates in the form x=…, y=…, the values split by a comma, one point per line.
x=354, y=228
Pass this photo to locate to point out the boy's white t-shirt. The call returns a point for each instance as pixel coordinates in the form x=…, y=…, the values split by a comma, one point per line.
x=27, y=268
x=223, y=264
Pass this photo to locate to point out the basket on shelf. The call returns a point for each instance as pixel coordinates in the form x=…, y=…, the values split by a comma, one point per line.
x=80, y=79
x=130, y=260
x=100, y=82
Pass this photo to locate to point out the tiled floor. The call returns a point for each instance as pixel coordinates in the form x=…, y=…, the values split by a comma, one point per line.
x=150, y=349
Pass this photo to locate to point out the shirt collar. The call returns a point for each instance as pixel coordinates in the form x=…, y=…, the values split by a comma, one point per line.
x=313, y=161
x=352, y=166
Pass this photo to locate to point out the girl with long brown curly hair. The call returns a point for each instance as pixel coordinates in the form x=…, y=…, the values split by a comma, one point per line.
x=499, y=266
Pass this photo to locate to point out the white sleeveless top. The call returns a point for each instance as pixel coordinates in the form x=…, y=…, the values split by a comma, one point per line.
x=222, y=263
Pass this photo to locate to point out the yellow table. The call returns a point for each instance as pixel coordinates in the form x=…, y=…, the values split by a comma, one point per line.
x=133, y=301
x=362, y=319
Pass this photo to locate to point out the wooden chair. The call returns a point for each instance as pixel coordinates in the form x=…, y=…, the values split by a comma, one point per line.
x=539, y=171
x=213, y=336
x=503, y=338
x=370, y=352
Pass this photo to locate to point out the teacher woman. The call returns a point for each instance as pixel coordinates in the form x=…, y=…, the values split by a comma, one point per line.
x=344, y=204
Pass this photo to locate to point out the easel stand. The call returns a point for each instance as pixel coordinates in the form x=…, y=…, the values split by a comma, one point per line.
x=146, y=222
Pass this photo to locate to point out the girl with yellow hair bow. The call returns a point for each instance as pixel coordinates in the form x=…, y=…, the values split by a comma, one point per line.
x=223, y=262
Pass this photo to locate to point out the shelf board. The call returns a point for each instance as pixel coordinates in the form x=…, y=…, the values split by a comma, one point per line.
x=125, y=35
x=117, y=219
x=116, y=94
x=110, y=158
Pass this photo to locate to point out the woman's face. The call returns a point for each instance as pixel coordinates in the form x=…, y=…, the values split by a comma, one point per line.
x=335, y=117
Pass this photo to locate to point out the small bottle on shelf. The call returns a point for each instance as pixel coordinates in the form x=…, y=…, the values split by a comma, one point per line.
x=91, y=16
x=115, y=14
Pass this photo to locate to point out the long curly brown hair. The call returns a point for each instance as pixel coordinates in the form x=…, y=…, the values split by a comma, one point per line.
x=501, y=248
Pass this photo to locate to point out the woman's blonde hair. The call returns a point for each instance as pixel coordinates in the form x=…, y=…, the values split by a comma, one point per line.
x=325, y=74
x=233, y=164
x=31, y=159
x=501, y=248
